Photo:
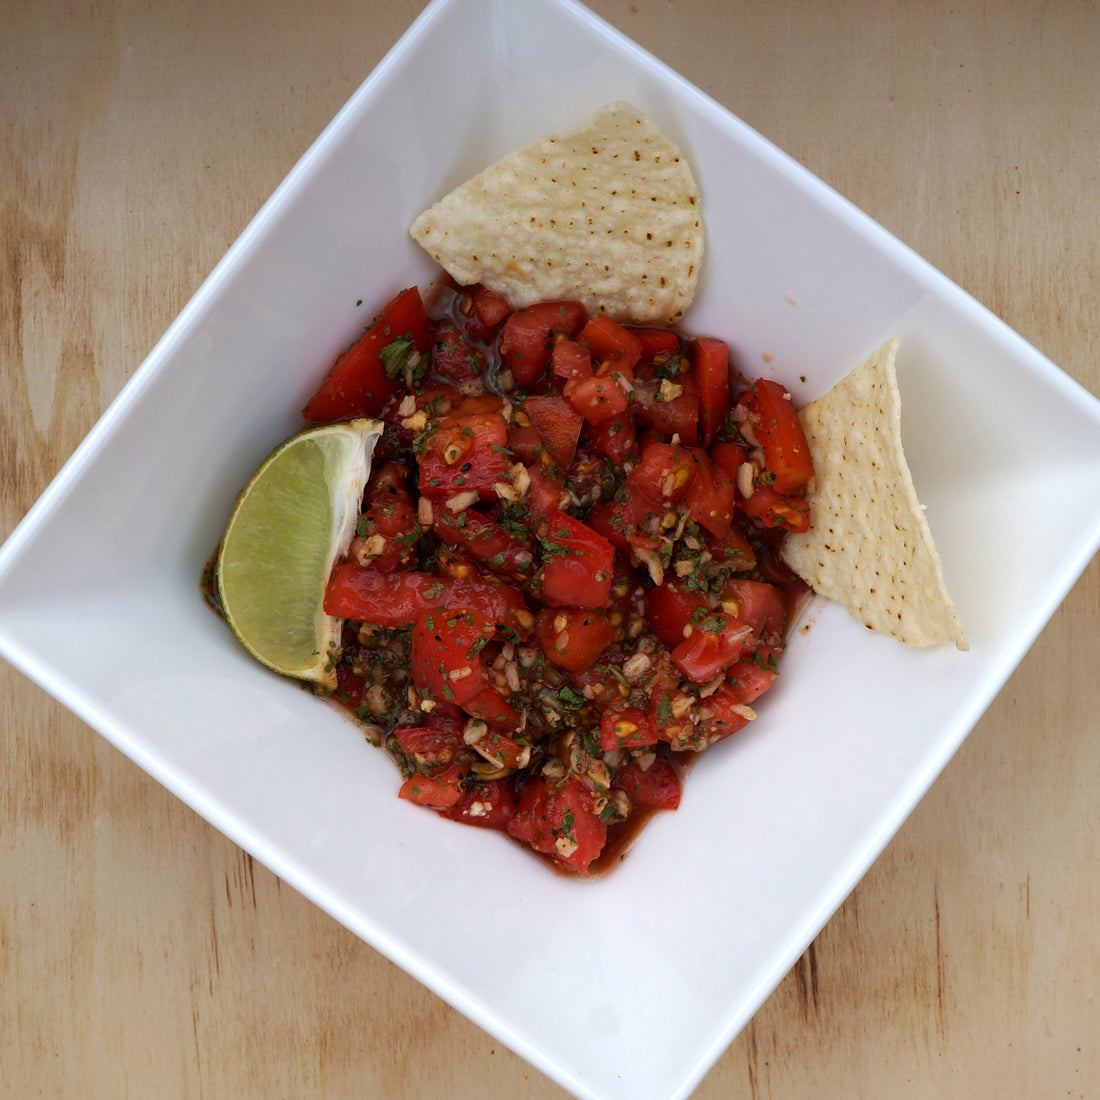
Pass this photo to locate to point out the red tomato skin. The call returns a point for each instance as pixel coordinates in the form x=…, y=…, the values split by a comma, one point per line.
x=627, y=523
x=453, y=355
x=614, y=437
x=616, y=731
x=711, y=496
x=726, y=715
x=489, y=307
x=487, y=805
x=669, y=609
x=577, y=644
x=441, y=736
x=527, y=340
x=704, y=654
x=579, y=573
x=490, y=707
x=680, y=416
x=547, y=492
x=356, y=384
x=559, y=427
x=664, y=472
x=569, y=360
x=760, y=604
x=769, y=509
x=445, y=643
x=608, y=340
x=749, y=679
x=394, y=600
x=439, y=791
x=776, y=425
x=655, y=341
x=654, y=788
x=559, y=821
x=478, y=445
x=485, y=541
x=712, y=370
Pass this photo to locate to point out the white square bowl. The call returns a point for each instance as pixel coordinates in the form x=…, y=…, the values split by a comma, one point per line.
x=631, y=986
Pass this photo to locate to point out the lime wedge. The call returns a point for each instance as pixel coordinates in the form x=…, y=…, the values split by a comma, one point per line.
x=290, y=523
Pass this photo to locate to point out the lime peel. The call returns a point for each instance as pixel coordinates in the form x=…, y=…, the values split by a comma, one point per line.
x=290, y=524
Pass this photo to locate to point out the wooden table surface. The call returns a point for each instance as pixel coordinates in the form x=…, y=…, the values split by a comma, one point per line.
x=141, y=953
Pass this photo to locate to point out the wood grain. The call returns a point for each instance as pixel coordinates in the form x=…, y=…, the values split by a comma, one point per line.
x=143, y=954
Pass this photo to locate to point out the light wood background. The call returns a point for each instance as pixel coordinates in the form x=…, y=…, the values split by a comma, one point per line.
x=142, y=954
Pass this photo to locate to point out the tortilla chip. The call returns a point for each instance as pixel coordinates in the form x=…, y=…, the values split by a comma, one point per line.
x=870, y=547
x=608, y=214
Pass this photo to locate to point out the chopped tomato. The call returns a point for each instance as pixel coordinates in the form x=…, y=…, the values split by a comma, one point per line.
x=629, y=521
x=713, y=645
x=395, y=600
x=721, y=714
x=770, y=509
x=671, y=406
x=712, y=370
x=664, y=472
x=439, y=791
x=465, y=454
x=654, y=788
x=445, y=648
x=670, y=609
x=570, y=360
x=484, y=541
x=626, y=728
x=598, y=397
x=525, y=443
x=577, y=563
x=573, y=637
x=357, y=384
x=489, y=804
x=490, y=707
x=559, y=427
x=527, y=340
x=559, y=820
x=608, y=340
x=546, y=493
x=453, y=355
x=656, y=342
x=386, y=536
x=758, y=604
x=614, y=437
x=776, y=426
x=710, y=496
x=750, y=678
x=443, y=736
x=489, y=308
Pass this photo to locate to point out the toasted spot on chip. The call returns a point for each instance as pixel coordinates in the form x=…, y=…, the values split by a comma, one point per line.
x=870, y=547
x=607, y=215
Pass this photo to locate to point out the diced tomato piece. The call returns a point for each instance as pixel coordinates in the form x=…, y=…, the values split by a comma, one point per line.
x=759, y=604
x=465, y=453
x=527, y=340
x=607, y=339
x=577, y=563
x=721, y=714
x=710, y=496
x=769, y=509
x=445, y=648
x=388, y=482
x=573, y=637
x=727, y=457
x=504, y=750
x=489, y=307
x=671, y=710
x=750, y=678
x=735, y=550
x=655, y=341
x=670, y=608
x=442, y=736
x=525, y=443
x=439, y=791
x=570, y=360
x=356, y=384
x=626, y=728
x=710, y=649
x=546, y=493
x=775, y=423
x=489, y=804
x=654, y=788
x=350, y=688
x=559, y=821
x=597, y=398
x=712, y=370
x=394, y=600
x=395, y=522
x=485, y=541
x=629, y=521
x=678, y=415
x=490, y=707
x=454, y=356
x=614, y=437
x=664, y=472
x=559, y=427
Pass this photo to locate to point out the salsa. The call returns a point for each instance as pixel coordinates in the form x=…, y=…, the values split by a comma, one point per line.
x=565, y=581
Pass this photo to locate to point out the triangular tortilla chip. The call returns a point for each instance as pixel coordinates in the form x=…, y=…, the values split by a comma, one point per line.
x=870, y=547
x=608, y=214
